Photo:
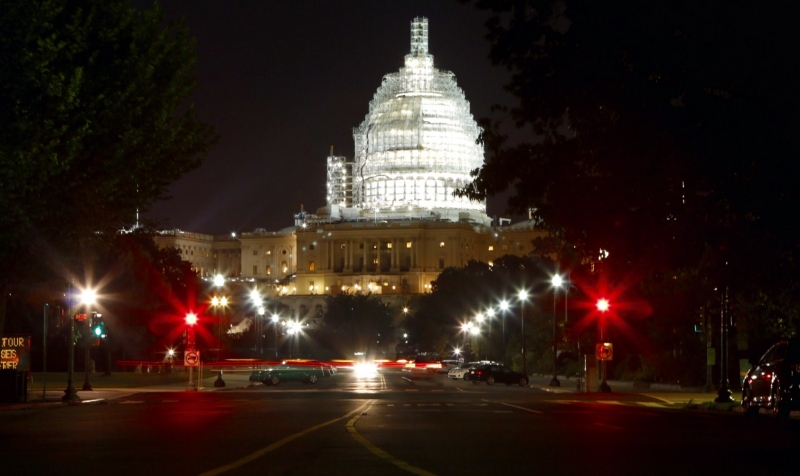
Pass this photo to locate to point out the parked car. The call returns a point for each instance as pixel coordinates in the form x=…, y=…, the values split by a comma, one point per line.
x=462, y=372
x=491, y=373
x=287, y=373
x=773, y=382
x=447, y=365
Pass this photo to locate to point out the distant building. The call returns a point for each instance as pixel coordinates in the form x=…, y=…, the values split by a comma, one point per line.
x=391, y=223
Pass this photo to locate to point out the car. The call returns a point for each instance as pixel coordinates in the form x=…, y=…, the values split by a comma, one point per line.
x=774, y=381
x=287, y=373
x=425, y=363
x=462, y=372
x=491, y=373
x=447, y=365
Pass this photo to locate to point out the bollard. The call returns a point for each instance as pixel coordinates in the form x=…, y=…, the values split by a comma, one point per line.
x=219, y=382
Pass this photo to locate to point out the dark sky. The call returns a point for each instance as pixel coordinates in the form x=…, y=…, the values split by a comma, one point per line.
x=283, y=81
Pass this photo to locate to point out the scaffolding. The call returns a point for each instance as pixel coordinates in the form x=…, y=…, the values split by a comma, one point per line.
x=340, y=181
x=417, y=144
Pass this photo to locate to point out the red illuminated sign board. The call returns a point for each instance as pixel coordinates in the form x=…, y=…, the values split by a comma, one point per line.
x=15, y=352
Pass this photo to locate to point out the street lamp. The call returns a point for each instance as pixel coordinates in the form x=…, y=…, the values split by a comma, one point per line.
x=523, y=297
x=602, y=306
x=294, y=329
x=557, y=281
x=504, y=308
x=490, y=317
x=216, y=303
x=275, y=319
x=87, y=298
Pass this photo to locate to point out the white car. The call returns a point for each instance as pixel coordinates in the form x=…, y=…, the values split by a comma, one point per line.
x=461, y=372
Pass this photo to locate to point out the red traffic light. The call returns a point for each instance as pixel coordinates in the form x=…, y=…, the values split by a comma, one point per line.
x=602, y=305
x=191, y=319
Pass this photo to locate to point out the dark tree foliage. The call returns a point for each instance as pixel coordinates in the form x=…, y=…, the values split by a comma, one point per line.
x=358, y=323
x=660, y=132
x=93, y=124
x=143, y=293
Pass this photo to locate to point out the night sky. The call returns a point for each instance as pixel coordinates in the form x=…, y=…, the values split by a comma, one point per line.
x=283, y=81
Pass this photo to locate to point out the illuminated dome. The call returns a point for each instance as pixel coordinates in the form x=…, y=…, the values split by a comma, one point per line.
x=417, y=143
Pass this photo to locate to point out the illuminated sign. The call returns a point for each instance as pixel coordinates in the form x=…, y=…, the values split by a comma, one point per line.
x=15, y=352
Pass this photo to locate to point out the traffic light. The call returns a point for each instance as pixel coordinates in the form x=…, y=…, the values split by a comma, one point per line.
x=191, y=319
x=98, y=326
x=602, y=305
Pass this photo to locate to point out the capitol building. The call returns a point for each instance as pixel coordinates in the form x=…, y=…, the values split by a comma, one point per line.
x=391, y=222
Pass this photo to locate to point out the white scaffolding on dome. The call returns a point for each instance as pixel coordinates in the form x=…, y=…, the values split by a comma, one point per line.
x=415, y=147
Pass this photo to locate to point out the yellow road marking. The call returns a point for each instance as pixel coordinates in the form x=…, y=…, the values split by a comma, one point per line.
x=351, y=428
x=278, y=444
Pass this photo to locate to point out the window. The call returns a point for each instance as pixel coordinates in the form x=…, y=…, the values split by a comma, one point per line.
x=269, y=270
x=389, y=245
x=255, y=252
x=269, y=252
x=441, y=244
x=284, y=267
x=342, y=246
x=408, y=244
x=283, y=252
x=441, y=263
x=255, y=269
x=491, y=247
x=505, y=247
x=311, y=266
x=311, y=246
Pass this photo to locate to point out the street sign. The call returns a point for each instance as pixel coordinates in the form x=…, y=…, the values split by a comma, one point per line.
x=191, y=358
x=604, y=351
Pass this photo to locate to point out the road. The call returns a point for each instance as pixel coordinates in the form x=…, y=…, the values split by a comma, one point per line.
x=388, y=424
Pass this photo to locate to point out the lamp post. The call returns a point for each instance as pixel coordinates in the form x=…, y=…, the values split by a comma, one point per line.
x=216, y=303
x=275, y=319
x=602, y=306
x=490, y=318
x=504, y=308
x=88, y=297
x=255, y=297
x=523, y=297
x=724, y=392
x=44, y=352
x=557, y=281
x=294, y=330
x=70, y=394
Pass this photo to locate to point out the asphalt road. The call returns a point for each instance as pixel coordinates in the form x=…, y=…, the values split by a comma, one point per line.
x=388, y=424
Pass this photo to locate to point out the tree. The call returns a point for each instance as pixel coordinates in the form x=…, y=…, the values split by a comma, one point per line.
x=358, y=323
x=94, y=125
x=657, y=132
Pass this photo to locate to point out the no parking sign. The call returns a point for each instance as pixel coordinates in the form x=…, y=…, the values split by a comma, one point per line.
x=604, y=351
x=191, y=358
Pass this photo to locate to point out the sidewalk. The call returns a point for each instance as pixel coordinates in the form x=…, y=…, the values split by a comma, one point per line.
x=669, y=394
x=120, y=384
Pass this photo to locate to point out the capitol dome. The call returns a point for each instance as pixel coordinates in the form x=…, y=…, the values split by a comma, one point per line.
x=416, y=145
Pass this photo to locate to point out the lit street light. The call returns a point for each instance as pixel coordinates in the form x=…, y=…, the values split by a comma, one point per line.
x=504, y=308
x=275, y=319
x=557, y=281
x=216, y=303
x=87, y=298
x=523, y=297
